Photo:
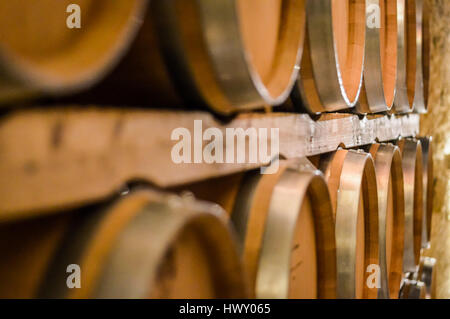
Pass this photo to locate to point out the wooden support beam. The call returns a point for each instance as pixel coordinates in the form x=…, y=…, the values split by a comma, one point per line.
x=60, y=158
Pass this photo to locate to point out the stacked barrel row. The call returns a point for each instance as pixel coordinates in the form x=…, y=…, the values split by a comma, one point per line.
x=347, y=224
x=368, y=56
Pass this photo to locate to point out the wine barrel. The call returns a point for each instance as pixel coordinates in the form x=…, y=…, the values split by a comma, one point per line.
x=401, y=99
x=426, y=53
x=413, y=188
x=380, y=62
x=412, y=289
x=148, y=245
x=285, y=225
x=40, y=54
x=414, y=63
x=353, y=189
x=428, y=177
x=391, y=218
x=225, y=55
x=26, y=248
x=427, y=274
x=332, y=63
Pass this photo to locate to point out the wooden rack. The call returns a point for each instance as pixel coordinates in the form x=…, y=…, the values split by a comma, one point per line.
x=61, y=158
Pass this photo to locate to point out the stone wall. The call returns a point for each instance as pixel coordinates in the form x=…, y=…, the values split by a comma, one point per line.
x=437, y=124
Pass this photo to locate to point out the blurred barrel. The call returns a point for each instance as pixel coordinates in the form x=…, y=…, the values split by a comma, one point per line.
x=401, y=98
x=353, y=189
x=40, y=54
x=332, y=63
x=380, y=63
x=428, y=180
x=412, y=289
x=26, y=249
x=226, y=55
x=427, y=274
x=413, y=188
x=414, y=63
x=285, y=225
x=426, y=53
x=148, y=245
x=391, y=218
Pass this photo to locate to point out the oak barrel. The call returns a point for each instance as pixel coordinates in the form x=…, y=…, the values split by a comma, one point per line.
x=353, y=189
x=426, y=51
x=401, y=99
x=226, y=55
x=148, y=245
x=285, y=226
x=414, y=10
x=41, y=55
x=413, y=189
x=380, y=62
x=333, y=59
x=391, y=217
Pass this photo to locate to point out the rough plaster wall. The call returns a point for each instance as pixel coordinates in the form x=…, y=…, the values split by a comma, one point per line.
x=437, y=124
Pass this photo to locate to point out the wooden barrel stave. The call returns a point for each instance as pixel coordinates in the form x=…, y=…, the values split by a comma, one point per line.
x=352, y=183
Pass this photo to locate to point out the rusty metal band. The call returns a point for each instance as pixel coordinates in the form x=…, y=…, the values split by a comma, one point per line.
x=324, y=59
x=387, y=160
x=357, y=172
x=419, y=105
x=427, y=166
x=411, y=158
x=401, y=103
x=372, y=99
x=100, y=243
x=19, y=82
